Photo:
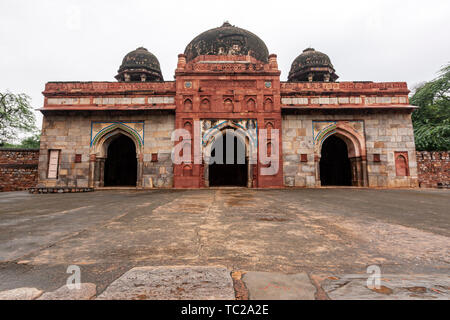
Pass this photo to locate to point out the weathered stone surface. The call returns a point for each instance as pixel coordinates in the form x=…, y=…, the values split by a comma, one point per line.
x=392, y=287
x=172, y=283
x=20, y=294
x=276, y=286
x=74, y=137
x=86, y=292
x=380, y=139
x=285, y=231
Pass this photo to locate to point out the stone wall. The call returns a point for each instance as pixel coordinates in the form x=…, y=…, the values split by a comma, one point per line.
x=384, y=134
x=73, y=136
x=18, y=169
x=434, y=169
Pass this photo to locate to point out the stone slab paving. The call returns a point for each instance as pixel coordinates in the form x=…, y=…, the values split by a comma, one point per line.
x=86, y=291
x=172, y=283
x=291, y=231
x=276, y=286
x=20, y=294
x=392, y=287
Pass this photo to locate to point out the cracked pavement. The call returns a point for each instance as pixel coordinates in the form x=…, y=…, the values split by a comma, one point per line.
x=318, y=232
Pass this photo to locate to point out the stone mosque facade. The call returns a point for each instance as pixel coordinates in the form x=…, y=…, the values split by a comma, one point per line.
x=107, y=134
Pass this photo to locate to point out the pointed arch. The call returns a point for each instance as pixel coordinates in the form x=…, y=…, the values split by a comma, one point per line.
x=205, y=105
x=105, y=137
x=251, y=104
x=355, y=141
x=239, y=131
x=356, y=149
x=268, y=105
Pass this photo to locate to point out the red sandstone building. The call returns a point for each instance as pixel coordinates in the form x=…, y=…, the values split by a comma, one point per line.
x=98, y=134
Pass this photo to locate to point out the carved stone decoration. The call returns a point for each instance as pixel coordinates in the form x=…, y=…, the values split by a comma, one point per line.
x=268, y=105
x=401, y=164
x=269, y=126
x=188, y=126
x=187, y=105
x=251, y=105
x=205, y=105
x=187, y=170
x=227, y=40
x=228, y=105
x=251, y=124
x=206, y=125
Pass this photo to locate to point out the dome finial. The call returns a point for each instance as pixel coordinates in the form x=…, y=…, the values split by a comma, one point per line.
x=226, y=24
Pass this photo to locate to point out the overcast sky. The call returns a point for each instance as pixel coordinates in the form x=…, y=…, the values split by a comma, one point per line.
x=81, y=40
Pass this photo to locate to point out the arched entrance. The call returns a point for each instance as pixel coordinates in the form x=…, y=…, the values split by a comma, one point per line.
x=335, y=167
x=121, y=162
x=340, y=156
x=230, y=167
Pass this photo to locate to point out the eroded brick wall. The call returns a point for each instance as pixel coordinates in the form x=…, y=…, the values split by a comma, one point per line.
x=18, y=169
x=433, y=169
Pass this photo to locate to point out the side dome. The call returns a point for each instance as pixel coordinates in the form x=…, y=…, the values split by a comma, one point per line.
x=140, y=65
x=227, y=40
x=312, y=65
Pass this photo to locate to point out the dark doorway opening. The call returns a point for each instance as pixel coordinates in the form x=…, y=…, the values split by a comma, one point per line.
x=227, y=174
x=334, y=163
x=121, y=163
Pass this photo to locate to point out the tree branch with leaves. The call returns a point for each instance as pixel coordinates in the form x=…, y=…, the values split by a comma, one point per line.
x=432, y=119
x=16, y=116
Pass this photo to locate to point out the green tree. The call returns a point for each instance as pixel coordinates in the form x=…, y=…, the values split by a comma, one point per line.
x=16, y=115
x=32, y=142
x=432, y=119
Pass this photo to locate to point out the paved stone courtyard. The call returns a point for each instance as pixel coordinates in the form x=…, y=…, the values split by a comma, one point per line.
x=322, y=239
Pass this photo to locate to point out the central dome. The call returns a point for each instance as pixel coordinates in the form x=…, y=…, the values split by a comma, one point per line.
x=227, y=40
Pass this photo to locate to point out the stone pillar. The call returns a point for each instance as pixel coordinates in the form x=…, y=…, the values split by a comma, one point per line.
x=317, y=166
x=310, y=77
x=359, y=172
x=365, y=179
x=99, y=175
x=143, y=77
x=181, y=61
x=354, y=171
x=249, y=173
x=206, y=172
x=91, y=179
x=326, y=77
x=140, y=170
x=273, y=61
